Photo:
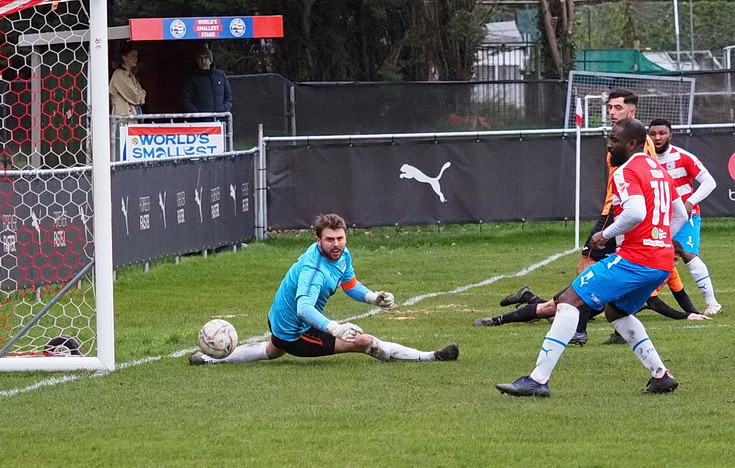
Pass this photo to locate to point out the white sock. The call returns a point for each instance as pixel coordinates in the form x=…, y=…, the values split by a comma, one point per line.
x=700, y=274
x=562, y=330
x=635, y=334
x=385, y=351
x=247, y=353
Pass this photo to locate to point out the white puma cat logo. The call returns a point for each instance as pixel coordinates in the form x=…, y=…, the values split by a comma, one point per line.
x=410, y=172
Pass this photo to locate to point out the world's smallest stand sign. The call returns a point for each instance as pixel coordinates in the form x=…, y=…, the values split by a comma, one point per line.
x=224, y=27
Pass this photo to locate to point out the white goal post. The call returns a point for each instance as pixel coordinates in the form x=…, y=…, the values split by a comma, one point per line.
x=668, y=97
x=56, y=270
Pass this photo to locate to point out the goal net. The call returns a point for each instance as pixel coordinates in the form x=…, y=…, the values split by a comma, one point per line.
x=671, y=98
x=50, y=317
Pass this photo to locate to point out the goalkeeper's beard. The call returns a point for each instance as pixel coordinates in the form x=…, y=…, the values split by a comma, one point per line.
x=333, y=254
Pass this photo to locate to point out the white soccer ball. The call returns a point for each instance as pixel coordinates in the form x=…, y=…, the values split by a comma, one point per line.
x=218, y=338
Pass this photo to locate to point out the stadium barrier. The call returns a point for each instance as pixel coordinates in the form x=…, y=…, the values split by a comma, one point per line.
x=461, y=177
x=175, y=206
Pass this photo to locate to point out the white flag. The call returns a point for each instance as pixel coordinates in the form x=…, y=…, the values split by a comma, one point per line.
x=578, y=113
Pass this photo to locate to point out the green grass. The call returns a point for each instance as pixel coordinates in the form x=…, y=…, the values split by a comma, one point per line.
x=351, y=410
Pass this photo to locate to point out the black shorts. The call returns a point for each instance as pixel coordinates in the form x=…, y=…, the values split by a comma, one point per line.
x=594, y=254
x=312, y=343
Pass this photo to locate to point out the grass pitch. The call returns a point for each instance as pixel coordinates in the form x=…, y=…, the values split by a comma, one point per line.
x=351, y=410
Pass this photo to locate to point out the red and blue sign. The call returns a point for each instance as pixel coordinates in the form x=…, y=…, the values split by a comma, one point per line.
x=230, y=27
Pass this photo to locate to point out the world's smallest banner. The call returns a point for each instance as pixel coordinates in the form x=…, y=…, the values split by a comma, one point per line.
x=228, y=27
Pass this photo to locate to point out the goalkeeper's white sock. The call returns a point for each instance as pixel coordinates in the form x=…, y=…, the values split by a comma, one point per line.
x=247, y=353
x=385, y=351
x=700, y=274
x=635, y=334
x=556, y=340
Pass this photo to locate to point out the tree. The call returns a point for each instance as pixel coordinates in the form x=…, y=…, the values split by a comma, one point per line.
x=342, y=40
x=557, y=18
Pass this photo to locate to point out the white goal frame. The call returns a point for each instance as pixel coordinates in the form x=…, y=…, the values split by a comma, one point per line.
x=99, y=132
x=678, y=89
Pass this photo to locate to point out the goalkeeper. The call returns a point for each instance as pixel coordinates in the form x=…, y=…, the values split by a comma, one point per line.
x=298, y=326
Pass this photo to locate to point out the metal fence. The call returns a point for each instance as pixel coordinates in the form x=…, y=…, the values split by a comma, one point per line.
x=345, y=108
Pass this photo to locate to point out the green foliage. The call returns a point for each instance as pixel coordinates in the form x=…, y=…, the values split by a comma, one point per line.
x=331, y=40
x=652, y=24
x=352, y=410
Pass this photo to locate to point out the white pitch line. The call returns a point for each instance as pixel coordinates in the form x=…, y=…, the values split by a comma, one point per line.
x=39, y=384
x=421, y=297
x=411, y=301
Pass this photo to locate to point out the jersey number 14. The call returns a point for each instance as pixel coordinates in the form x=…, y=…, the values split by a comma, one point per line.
x=661, y=203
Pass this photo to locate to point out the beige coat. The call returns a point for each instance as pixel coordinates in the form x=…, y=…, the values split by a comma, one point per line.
x=125, y=92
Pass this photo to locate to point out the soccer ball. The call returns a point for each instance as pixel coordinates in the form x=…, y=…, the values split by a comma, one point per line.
x=218, y=338
x=62, y=345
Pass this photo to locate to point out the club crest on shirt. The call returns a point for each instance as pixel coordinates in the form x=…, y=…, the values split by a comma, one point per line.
x=343, y=265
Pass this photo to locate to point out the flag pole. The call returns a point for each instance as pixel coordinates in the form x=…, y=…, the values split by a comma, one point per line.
x=577, y=192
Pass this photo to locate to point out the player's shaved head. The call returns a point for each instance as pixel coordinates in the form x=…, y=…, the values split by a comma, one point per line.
x=632, y=129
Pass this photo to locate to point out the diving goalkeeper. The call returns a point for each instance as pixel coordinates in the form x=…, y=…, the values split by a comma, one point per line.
x=297, y=323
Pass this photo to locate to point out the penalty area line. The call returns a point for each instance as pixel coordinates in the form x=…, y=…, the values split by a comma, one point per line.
x=375, y=311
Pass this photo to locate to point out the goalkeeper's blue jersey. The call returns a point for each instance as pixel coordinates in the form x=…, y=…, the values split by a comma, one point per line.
x=314, y=276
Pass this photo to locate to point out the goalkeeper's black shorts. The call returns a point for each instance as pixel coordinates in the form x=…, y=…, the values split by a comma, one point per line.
x=312, y=343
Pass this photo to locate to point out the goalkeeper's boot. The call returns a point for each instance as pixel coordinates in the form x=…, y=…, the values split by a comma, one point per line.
x=615, y=338
x=525, y=386
x=198, y=358
x=579, y=339
x=518, y=297
x=448, y=353
x=665, y=384
x=488, y=322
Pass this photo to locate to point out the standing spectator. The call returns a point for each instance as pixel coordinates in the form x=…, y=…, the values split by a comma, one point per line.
x=207, y=89
x=126, y=94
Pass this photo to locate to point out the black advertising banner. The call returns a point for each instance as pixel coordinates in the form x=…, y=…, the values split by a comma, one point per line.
x=413, y=183
x=456, y=181
x=174, y=207
x=46, y=227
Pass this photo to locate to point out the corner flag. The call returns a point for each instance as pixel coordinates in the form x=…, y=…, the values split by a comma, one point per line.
x=578, y=113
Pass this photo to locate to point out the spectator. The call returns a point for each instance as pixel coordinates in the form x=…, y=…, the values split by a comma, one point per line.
x=126, y=94
x=207, y=89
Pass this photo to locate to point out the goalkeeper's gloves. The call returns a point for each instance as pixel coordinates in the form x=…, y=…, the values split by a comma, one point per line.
x=345, y=331
x=384, y=299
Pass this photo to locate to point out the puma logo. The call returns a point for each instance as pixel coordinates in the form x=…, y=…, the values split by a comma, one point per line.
x=410, y=172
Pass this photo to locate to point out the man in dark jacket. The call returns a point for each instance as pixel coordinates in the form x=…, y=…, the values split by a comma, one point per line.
x=207, y=89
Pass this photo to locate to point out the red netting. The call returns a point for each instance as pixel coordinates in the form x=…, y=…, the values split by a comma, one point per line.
x=8, y=7
x=45, y=177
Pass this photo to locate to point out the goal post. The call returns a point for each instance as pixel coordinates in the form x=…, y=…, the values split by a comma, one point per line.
x=667, y=97
x=56, y=270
